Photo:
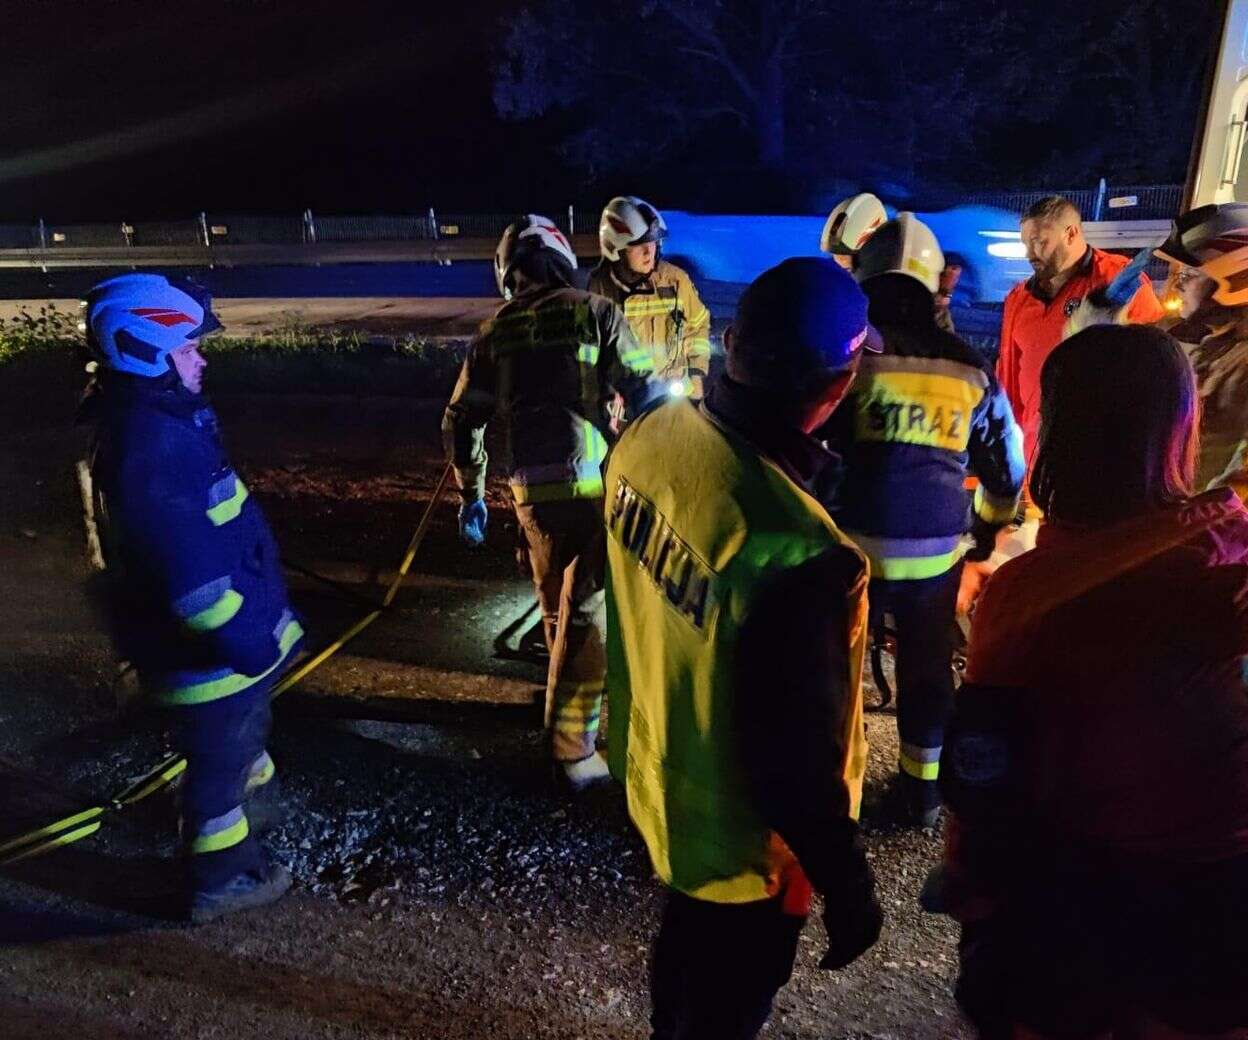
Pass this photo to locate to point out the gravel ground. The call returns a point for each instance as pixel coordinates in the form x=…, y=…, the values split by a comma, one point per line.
x=443, y=890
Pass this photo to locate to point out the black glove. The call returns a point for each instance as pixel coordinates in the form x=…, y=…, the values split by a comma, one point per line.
x=853, y=918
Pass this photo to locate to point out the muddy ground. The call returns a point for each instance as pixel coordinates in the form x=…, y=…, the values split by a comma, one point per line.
x=443, y=890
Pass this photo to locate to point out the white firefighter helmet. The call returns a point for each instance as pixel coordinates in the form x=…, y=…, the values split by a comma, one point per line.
x=525, y=237
x=903, y=245
x=628, y=221
x=1214, y=239
x=851, y=223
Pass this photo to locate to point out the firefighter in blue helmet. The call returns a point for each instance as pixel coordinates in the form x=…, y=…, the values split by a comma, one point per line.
x=920, y=415
x=196, y=596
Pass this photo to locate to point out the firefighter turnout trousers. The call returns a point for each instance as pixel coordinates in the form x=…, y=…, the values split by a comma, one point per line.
x=223, y=742
x=567, y=553
x=923, y=613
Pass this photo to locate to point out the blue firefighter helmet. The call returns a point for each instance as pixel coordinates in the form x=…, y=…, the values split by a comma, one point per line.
x=135, y=320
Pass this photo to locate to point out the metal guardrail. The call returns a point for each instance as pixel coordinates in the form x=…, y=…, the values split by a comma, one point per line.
x=235, y=239
x=235, y=255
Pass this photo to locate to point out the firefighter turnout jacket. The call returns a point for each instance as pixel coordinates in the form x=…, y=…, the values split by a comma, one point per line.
x=199, y=603
x=917, y=416
x=1221, y=363
x=736, y=712
x=546, y=364
x=667, y=317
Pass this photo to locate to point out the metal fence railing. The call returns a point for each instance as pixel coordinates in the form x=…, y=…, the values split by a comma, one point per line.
x=253, y=230
x=492, y=225
x=165, y=233
x=1151, y=202
x=473, y=225
x=374, y=229
x=1104, y=202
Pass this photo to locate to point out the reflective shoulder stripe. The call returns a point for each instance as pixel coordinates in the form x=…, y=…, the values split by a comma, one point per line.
x=225, y=500
x=222, y=832
x=993, y=509
x=558, y=323
x=225, y=682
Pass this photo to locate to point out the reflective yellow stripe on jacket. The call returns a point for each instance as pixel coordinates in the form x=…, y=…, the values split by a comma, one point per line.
x=200, y=687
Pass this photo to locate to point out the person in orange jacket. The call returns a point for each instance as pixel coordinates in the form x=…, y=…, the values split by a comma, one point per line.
x=1067, y=271
x=1096, y=765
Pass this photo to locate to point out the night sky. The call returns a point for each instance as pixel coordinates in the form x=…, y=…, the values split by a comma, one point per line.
x=120, y=108
x=139, y=110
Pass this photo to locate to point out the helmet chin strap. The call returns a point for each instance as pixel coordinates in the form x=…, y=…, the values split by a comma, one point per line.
x=625, y=275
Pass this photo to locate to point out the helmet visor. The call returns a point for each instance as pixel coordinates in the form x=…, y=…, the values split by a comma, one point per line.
x=211, y=323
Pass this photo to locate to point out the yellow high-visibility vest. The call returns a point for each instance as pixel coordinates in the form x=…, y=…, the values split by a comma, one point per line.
x=688, y=547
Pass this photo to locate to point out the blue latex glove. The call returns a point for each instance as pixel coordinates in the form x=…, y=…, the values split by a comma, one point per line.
x=473, y=517
x=1126, y=283
x=1108, y=306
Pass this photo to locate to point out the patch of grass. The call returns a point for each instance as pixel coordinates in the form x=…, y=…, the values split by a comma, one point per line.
x=300, y=360
x=291, y=359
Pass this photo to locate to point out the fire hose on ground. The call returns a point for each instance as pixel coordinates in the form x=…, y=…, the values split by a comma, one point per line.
x=86, y=822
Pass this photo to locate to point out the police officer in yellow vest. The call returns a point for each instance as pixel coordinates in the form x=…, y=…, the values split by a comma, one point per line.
x=736, y=627
x=658, y=298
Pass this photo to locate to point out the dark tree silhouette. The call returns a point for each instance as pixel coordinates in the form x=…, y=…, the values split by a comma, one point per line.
x=921, y=93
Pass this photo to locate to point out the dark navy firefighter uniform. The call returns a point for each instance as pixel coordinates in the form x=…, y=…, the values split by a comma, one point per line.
x=199, y=603
x=197, y=599
x=919, y=416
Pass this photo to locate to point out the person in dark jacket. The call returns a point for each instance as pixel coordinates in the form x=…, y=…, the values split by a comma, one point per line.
x=197, y=599
x=1210, y=244
x=1097, y=760
x=546, y=365
x=920, y=416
